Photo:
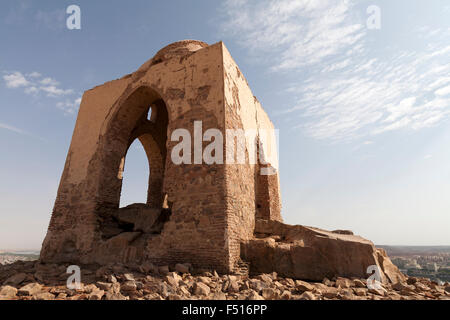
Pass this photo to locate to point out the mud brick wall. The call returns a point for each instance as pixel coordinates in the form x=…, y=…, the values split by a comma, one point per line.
x=212, y=207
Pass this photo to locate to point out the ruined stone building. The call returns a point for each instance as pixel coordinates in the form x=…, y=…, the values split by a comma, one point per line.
x=214, y=216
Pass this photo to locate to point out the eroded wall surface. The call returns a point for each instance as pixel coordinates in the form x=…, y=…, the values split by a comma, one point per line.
x=212, y=206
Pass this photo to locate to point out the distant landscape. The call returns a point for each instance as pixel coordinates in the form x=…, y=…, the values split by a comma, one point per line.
x=431, y=262
x=11, y=256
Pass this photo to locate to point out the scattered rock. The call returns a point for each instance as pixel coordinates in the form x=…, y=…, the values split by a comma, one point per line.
x=405, y=289
x=128, y=286
x=115, y=296
x=89, y=288
x=254, y=296
x=30, y=289
x=112, y=278
x=233, y=286
x=182, y=268
x=96, y=295
x=379, y=291
x=344, y=283
x=104, y=285
x=265, y=278
x=359, y=284
x=43, y=296
x=360, y=292
x=327, y=282
x=8, y=292
x=330, y=293
x=173, y=279
x=303, y=286
x=307, y=296
x=163, y=269
x=128, y=277
x=137, y=285
x=201, y=289
x=268, y=293
x=420, y=287
x=286, y=295
x=16, y=279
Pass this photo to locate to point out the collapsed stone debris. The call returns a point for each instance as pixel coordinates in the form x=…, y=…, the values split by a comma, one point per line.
x=36, y=281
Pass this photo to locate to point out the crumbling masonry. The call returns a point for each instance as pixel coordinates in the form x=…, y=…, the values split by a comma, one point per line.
x=218, y=216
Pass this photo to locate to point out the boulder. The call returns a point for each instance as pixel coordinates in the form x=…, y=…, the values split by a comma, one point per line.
x=8, y=292
x=43, y=296
x=307, y=296
x=128, y=286
x=360, y=292
x=128, y=277
x=286, y=295
x=115, y=296
x=141, y=217
x=359, y=284
x=104, y=285
x=344, y=283
x=173, y=279
x=303, y=286
x=254, y=296
x=377, y=291
x=233, y=286
x=96, y=295
x=30, y=289
x=182, y=268
x=313, y=254
x=268, y=293
x=16, y=279
x=201, y=289
x=163, y=269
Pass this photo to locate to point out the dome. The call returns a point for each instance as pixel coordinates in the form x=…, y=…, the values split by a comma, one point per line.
x=178, y=49
x=173, y=50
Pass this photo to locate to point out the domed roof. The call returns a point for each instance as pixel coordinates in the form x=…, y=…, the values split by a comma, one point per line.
x=178, y=49
x=173, y=50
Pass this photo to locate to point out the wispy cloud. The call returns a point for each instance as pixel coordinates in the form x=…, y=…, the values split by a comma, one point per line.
x=12, y=128
x=4, y=126
x=69, y=106
x=344, y=90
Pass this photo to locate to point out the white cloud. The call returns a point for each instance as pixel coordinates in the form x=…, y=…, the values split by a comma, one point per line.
x=15, y=80
x=68, y=106
x=49, y=81
x=31, y=90
x=53, y=91
x=34, y=75
x=32, y=84
x=443, y=91
x=345, y=90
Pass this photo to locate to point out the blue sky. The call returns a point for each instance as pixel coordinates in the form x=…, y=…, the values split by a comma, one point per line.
x=362, y=113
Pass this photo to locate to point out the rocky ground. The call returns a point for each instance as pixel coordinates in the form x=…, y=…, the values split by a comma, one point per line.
x=26, y=280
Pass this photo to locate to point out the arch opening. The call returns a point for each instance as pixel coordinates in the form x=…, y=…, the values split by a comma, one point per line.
x=141, y=121
x=135, y=172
